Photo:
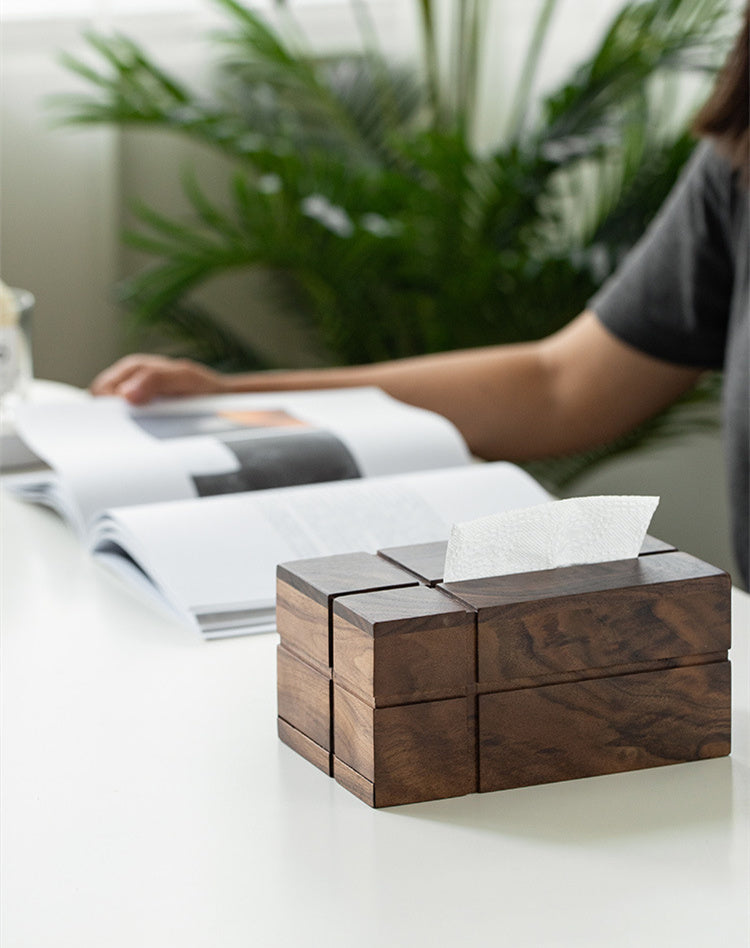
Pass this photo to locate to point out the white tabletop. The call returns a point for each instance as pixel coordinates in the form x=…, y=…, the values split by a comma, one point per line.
x=147, y=803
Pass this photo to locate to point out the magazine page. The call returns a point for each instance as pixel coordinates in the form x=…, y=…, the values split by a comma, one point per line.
x=96, y=457
x=215, y=561
x=104, y=453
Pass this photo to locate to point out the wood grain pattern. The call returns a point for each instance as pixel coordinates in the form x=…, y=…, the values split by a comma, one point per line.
x=632, y=613
x=354, y=782
x=303, y=624
x=424, y=752
x=574, y=580
x=425, y=560
x=604, y=629
x=354, y=732
x=425, y=665
x=412, y=752
x=559, y=678
x=306, y=748
x=603, y=726
x=304, y=697
x=306, y=590
x=403, y=645
x=389, y=611
x=322, y=578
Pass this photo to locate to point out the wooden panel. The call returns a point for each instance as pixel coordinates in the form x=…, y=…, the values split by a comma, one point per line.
x=384, y=612
x=403, y=645
x=409, y=753
x=424, y=752
x=354, y=659
x=303, y=624
x=604, y=629
x=305, y=590
x=658, y=606
x=325, y=577
x=607, y=725
x=558, y=678
x=425, y=560
x=574, y=580
x=304, y=697
x=354, y=782
x=354, y=732
x=306, y=748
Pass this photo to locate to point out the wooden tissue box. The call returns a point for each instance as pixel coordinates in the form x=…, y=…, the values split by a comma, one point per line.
x=405, y=689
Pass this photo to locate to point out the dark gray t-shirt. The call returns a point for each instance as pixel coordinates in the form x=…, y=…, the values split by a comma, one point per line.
x=682, y=296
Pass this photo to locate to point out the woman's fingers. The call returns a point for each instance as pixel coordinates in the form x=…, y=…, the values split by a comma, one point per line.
x=141, y=378
x=108, y=381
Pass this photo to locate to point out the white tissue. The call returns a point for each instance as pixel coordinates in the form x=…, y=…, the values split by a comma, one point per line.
x=559, y=533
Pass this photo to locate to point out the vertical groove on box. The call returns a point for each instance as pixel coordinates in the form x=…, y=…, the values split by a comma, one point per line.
x=477, y=771
x=331, y=600
x=330, y=632
x=330, y=723
x=475, y=699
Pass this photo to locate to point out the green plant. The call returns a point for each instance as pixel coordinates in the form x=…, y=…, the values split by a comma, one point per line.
x=360, y=184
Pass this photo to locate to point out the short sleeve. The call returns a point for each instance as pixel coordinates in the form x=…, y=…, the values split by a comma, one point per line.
x=672, y=296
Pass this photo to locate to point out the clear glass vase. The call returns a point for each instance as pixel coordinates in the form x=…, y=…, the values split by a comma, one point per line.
x=16, y=367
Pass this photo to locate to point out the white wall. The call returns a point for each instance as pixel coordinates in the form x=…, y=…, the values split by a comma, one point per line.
x=60, y=208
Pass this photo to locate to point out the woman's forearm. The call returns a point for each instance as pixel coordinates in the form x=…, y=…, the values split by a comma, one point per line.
x=576, y=389
x=495, y=396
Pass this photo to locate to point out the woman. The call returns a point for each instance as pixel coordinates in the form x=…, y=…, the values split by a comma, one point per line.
x=678, y=306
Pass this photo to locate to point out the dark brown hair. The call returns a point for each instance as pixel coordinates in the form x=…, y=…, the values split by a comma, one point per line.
x=726, y=115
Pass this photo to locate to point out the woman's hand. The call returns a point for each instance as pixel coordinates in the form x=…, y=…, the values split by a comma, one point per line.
x=141, y=378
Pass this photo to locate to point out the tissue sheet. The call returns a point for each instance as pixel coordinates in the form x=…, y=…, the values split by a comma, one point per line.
x=559, y=533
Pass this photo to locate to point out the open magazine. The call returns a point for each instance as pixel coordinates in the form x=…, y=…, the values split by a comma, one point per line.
x=195, y=501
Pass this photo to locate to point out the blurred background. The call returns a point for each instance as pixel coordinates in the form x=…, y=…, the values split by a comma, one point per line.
x=362, y=179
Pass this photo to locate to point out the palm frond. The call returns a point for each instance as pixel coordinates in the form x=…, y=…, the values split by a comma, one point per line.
x=192, y=331
x=643, y=40
x=520, y=106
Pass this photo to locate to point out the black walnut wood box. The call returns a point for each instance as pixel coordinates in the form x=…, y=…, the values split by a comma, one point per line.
x=404, y=688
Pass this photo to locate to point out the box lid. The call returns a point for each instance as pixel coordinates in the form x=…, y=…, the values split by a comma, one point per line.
x=322, y=578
